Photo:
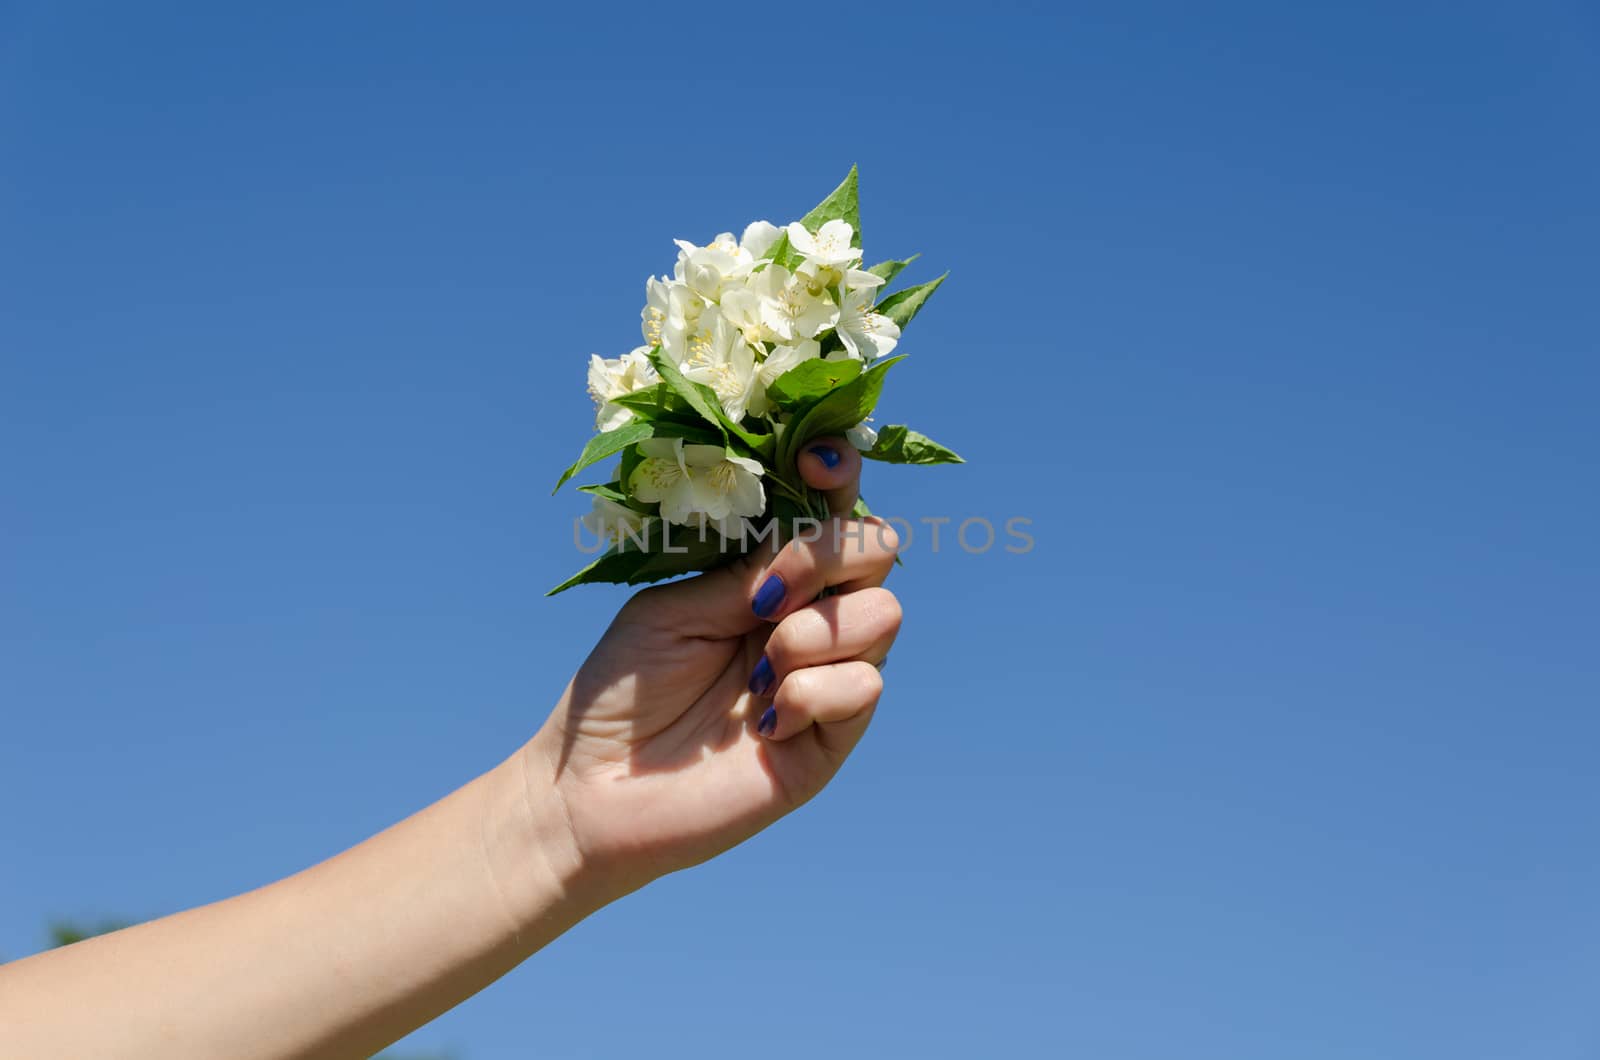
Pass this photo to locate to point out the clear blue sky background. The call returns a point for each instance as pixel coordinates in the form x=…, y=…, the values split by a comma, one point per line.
x=1279, y=320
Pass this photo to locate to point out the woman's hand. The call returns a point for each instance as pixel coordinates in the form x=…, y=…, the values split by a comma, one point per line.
x=710, y=708
x=713, y=706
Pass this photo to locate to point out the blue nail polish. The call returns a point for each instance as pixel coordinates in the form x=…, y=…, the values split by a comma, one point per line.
x=768, y=722
x=827, y=454
x=761, y=677
x=769, y=597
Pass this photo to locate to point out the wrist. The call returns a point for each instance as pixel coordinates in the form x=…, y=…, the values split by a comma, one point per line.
x=538, y=867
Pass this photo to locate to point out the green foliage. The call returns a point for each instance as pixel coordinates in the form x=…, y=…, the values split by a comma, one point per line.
x=838, y=410
x=890, y=269
x=673, y=550
x=704, y=401
x=611, y=491
x=654, y=403
x=782, y=252
x=842, y=204
x=901, y=306
x=899, y=444
x=808, y=381
x=608, y=444
x=816, y=397
x=699, y=397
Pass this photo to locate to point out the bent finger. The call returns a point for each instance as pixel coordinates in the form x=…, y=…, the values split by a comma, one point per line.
x=831, y=464
x=838, y=698
x=843, y=554
x=860, y=625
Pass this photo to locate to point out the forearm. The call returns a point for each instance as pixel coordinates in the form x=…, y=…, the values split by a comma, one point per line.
x=336, y=961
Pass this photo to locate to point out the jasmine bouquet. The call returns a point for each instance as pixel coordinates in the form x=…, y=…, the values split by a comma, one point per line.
x=751, y=348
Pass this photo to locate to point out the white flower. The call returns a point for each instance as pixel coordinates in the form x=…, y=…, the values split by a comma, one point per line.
x=829, y=247
x=855, y=279
x=710, y=269
x=865, y=334
x=615, y=522
x=861, y=436
x=783, y=358
x=780, y=360
x=758, y=238
x=697, y=483
x=611, y=378
x=789, y=308
x=670, y=313
x=742, y=307
x=720, y=358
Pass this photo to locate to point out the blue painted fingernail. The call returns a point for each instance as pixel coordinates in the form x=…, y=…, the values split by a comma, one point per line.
x=761, y=677
x=768, y=722
x=827, y=454
x=769, y=597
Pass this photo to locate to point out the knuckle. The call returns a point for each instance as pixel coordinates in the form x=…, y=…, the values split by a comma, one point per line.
x=881, y=610
x=884, y=536
x=801, y=687
x=868, y=684
x=790, y=637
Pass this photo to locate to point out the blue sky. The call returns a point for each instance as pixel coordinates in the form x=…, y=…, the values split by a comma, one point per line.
x=1279, y=321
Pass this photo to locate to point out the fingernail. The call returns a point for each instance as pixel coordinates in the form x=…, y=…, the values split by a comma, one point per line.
x=827, y=454
x=768, y=722
x=761, y=677
x=769, y=597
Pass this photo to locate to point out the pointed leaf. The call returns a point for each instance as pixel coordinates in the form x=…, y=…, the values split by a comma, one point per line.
x=705, y=402
x=809, y=380
x=695, y=555
x=890, y=269
x=698, y=396
x=899, y=444
x=608, y=444
x=613, y=567
x=654, y=403
x=901, y=306
x=782, y=252
x=839, y=409
x=611, y=491
x=842, y=204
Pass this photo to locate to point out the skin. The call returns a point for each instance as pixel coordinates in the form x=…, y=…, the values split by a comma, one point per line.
x=651, y=762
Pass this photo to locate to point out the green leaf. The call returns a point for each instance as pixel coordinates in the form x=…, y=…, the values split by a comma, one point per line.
x=631, y=459
x=614, y=491
x=655, y=402
x=839, y=409
x=810, y=380
x=901, y=306
x=760, y=446
x=696, y=555
x=681, y=552
x=693, y=432
x=615, y=566
x=704, y=401
x=890, y=269
x=607, y=444
x=699, y=397
x=842, y=204
x=782, y=252
x=611, y=491
x=899, y=444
